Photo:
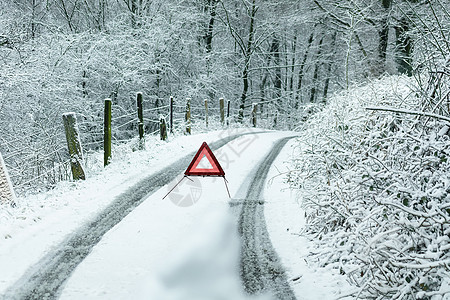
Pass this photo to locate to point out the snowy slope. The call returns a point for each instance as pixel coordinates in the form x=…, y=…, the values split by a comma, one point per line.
x=285, y=222
x=375, y=188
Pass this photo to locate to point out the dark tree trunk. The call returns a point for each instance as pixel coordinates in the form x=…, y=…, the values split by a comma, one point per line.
x=275, y=50
x=135, y=6
x=291, y=81
x=212, y=4
x=84, y=83
x=383, y=34
x=301, y=70
x=264, y=78
x=33, y=19
x=245, y=89
x=404, y=47
x=329, y=65
x=248, y=53
x=316, y=73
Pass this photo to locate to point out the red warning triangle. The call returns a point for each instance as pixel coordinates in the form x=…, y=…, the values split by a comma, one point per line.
x=195, y=170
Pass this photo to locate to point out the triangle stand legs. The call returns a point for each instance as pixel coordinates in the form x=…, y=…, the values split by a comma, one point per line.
x=185, y=176
x=226, y=185
x=174, y=187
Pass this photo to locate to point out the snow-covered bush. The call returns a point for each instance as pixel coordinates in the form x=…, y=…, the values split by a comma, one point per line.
x=375, y=189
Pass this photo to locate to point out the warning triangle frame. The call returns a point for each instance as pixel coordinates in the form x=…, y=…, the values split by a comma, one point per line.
x=216, y=171
x=204, y=150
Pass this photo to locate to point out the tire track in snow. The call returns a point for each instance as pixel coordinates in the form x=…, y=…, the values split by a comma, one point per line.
x=261, y=269
x=45, y=279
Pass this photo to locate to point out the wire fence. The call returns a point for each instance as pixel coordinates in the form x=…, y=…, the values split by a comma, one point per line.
x=38, y=159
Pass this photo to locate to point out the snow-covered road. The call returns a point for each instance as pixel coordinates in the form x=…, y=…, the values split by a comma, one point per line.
x=45, y=278
x=184, y=247
x=261, y=270
x=165, y=251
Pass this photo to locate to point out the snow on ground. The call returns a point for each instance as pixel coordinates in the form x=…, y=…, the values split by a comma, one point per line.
x=41, y=221
x=165, y=251
x=285, y=221
x=183, y=247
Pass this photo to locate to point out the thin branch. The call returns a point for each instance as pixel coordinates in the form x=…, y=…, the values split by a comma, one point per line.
x=441, y=30
x=236, y=37
x=409, y=112
x=345, y=24
x=425, y=25
x=332, y=15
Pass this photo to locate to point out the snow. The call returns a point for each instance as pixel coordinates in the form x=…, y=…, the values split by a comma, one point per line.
x=6, y=190
x=374, y=205
x=181, y=252
x=160, y=251
x=285, y=221
x=164, y=249
x=40, y=222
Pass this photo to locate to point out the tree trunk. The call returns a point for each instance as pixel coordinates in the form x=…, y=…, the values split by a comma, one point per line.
x=383, y=34
x=83, y=84
x=275, y=49
x=264, y=79
x=404, y=47
x=212, y=4
x=301, y=70
x=291, y=81
x=329, y=65
x=136, y=6
x=245, y=90
x=33, y=19
x=248, y=53
x=316, y=73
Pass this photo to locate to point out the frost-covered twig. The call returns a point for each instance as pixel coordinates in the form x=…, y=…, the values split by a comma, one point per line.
x=410, y=112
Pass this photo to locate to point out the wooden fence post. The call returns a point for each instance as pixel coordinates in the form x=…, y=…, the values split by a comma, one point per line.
x=188, y=116
x=107, y=133
x=171, y=115
x=254, y=107
x=140, y=112
x=222, y=111
x=228, y=112
x=275, y=119
x=162, y=128
x=206, y=112
x=74, y=145
x=7, y=194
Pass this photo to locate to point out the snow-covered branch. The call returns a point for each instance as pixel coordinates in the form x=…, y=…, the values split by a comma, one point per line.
x=409, y=112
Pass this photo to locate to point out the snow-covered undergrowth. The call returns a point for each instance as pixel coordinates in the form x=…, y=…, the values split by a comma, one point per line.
x=375, y=188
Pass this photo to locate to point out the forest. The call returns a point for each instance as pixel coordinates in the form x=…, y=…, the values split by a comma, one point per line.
x=365, y=83
x=69, y=55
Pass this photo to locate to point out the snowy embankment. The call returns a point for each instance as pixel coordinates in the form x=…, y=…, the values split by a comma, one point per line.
x=285, y=220
x=375, y=188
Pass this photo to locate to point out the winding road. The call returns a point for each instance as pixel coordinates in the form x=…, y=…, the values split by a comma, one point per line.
x=260, y=269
